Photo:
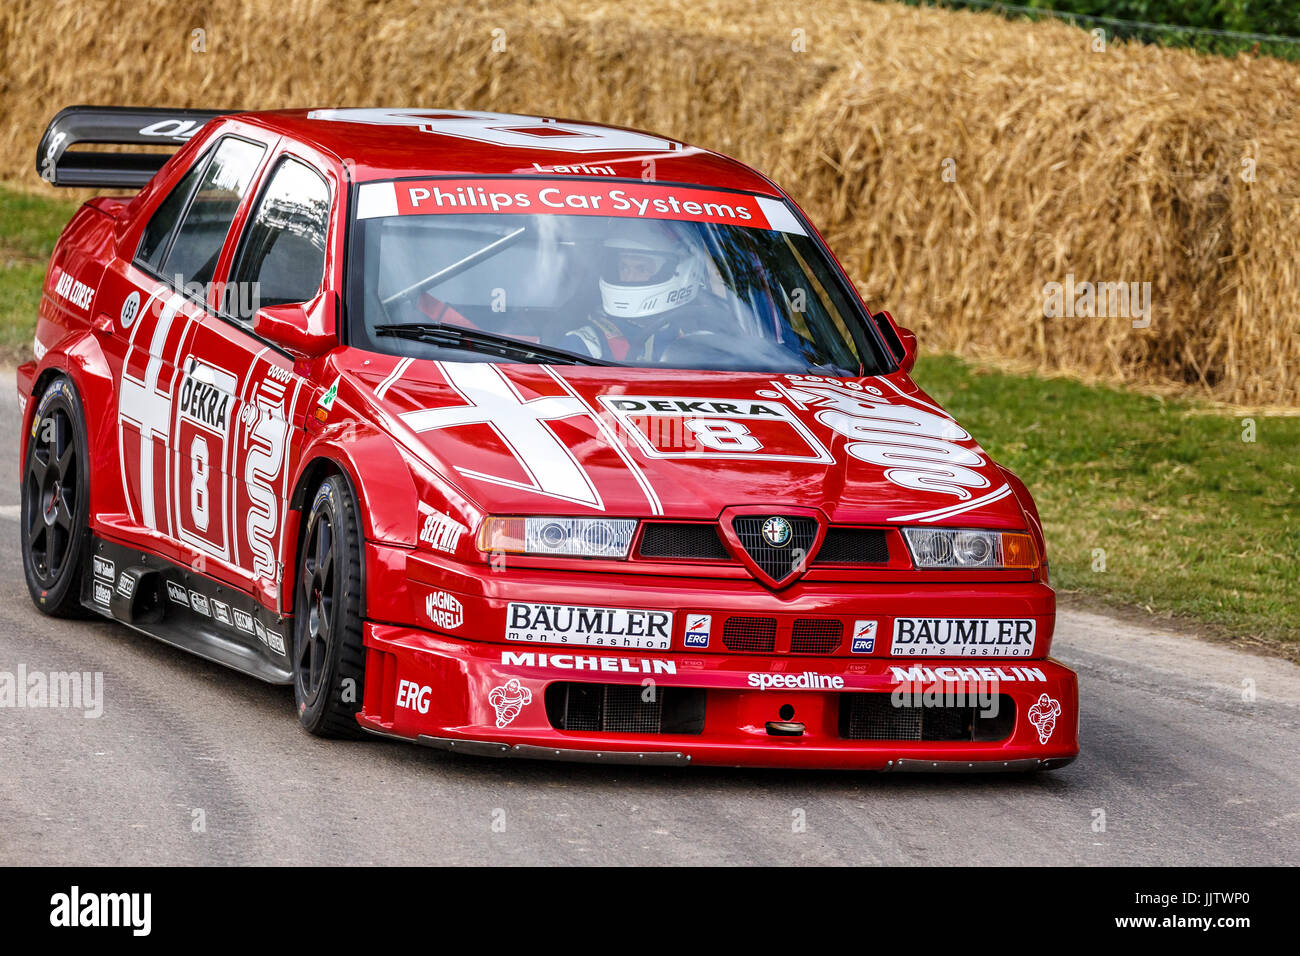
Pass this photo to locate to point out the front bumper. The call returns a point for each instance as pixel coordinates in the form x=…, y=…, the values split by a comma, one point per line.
x=500, y=700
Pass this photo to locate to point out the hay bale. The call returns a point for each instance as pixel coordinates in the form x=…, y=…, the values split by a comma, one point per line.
x=1123, y=165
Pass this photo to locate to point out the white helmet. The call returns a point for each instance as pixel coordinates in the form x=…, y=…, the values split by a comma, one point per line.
x=648, y=271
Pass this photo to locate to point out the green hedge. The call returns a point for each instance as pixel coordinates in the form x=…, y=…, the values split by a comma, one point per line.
x=1272, y=17
x=1242, y=16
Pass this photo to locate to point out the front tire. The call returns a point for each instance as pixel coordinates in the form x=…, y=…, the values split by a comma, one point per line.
x=328, y=658
x=55, y=503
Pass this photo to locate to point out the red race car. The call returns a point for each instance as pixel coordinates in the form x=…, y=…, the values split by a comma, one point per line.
x=511, y=435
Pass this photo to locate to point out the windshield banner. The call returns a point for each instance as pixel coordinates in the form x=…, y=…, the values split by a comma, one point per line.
x=574, y=198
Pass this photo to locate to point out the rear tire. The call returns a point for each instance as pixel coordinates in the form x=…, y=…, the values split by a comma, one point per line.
x=55, y=508
x=328, y=658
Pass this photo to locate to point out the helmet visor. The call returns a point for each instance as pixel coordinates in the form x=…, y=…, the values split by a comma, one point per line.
x=626, y=266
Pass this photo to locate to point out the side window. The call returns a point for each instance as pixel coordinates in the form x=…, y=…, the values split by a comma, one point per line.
x=282, y=259
x=153, y=244
x=197, y=246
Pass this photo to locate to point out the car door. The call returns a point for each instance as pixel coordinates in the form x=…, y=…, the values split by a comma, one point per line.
x=279, y=259
x=172, y=439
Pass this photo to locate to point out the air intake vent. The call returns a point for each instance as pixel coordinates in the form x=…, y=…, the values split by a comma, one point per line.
x=875, y=717
x=754, y=634
x=853, y=546
x=783, y=558
x=816, y=636
x=699, y=542
x=624, y=709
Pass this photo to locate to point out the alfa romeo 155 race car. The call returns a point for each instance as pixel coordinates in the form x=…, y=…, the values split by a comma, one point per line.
x=511, y=435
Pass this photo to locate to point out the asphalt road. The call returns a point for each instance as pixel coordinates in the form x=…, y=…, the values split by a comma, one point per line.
x=193, y=764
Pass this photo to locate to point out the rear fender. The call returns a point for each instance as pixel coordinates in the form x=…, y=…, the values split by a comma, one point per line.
x=78, y=356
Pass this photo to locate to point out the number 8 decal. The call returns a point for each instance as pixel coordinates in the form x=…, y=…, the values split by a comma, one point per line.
x=198, y=489
x=722, y=434
x=199, y=482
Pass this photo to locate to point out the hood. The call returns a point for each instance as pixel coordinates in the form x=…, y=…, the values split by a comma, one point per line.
x=578, y=440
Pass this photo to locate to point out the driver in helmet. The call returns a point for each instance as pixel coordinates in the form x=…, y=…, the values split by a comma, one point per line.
x=649, y=280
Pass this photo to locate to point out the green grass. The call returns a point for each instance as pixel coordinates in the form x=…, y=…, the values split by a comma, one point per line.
x=29, y=226
x=1192, y=520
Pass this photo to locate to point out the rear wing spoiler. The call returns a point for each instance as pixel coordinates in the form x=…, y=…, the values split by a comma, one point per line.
x=125, y=126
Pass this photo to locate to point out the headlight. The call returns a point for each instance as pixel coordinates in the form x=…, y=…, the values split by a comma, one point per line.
x=947, y=548
x=568, y=537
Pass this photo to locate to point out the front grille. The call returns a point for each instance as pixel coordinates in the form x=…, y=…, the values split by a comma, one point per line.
x=625, y=708
x=778, y=563
x=816, y=636
x=853, y=546
x=875, y=717
x=753, y=634
x=700, y=542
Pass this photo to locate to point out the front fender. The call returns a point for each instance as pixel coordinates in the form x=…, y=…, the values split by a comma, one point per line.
x=386, y=492
x=1026, y=501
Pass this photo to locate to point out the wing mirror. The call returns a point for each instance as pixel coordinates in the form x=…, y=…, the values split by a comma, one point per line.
x=304, y=329
x=908, y=338
x=901, y=341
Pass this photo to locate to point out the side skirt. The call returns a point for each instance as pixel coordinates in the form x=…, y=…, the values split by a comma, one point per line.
x=189, y=610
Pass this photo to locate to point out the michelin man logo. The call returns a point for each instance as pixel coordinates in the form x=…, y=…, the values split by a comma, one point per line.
x=508, y=700
x=1043, y=716
x=916, y=448
x=266, y=431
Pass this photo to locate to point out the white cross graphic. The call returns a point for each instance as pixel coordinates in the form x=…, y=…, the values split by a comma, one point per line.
x=493, y=400
x=504, y=129
x=147, y=408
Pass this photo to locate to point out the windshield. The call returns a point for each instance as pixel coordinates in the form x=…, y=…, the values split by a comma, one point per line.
x=625, y=273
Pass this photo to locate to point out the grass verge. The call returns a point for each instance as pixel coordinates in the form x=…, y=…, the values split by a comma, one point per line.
x=29, y=227
x=1148, y=503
